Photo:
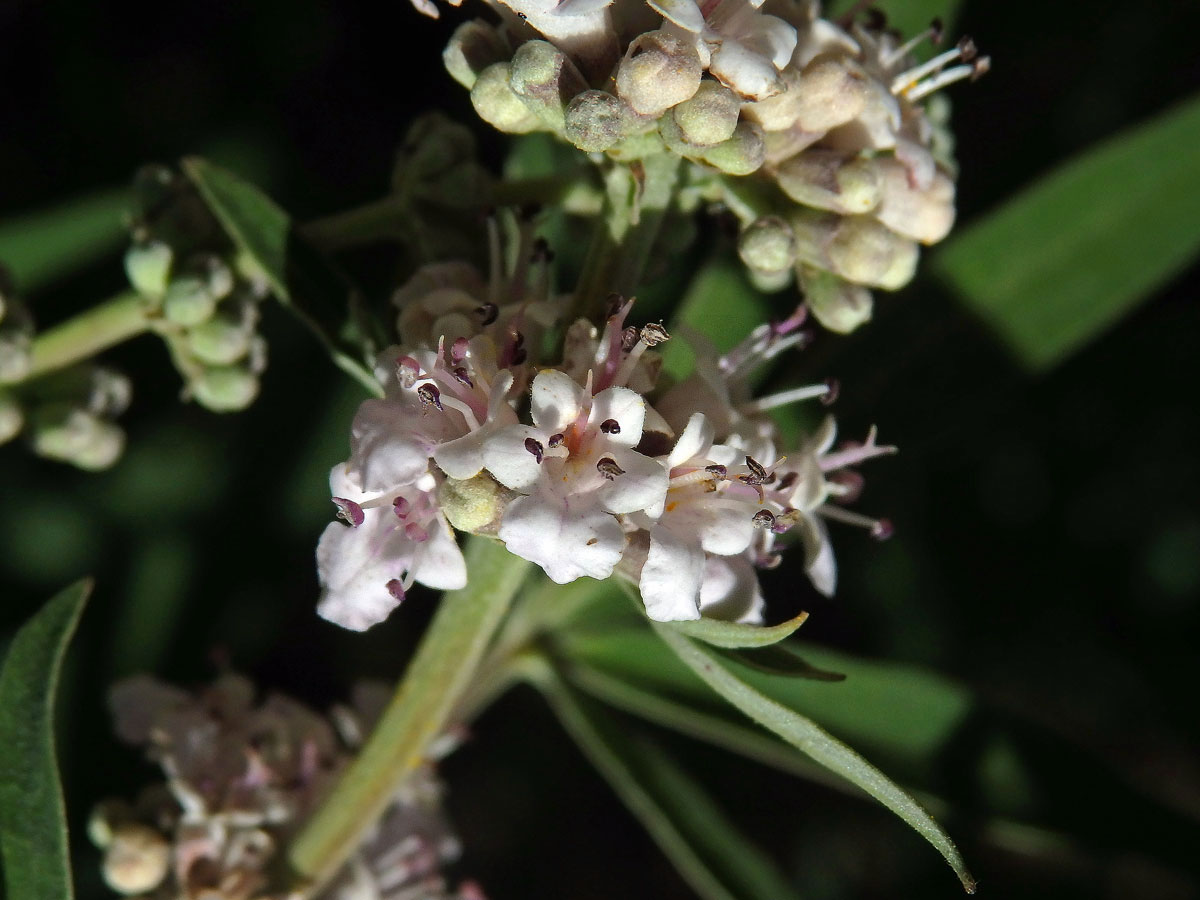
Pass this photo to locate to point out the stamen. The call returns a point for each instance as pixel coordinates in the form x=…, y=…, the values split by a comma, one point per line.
x=459, y=349
x=608, y=467
x=788, y=481
x=653, y=334
x=933, y=33
x=880, y=529
x=783, y=398
x=461, y=374
x=556, y=440
x=535, y=447
x=852, y=454
x=395, y=587
x=487, y=313
x=349, y=512
x=616, y=303
x=467, y=411
x=835, y=388
x=629, y=338
x=846, y=485
x=408, y=370
x=977, y=69
x=764, y=518
x=610, y=426
x=717, y=469
x=401, y=507
x=757, y=471
x=905, y=81
x=430, y=396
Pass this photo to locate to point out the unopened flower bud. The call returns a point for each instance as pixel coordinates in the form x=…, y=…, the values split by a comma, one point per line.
x=109, y=392
x=596, y=120
x=832, y=92
x=148, y=267
x=12, y=417
x=223, y=339
x=660, y=69
x=189, y=301
x=472, y=503
x=836, y=304
x=136, y=859
x=224, y=388
x=497, y=104
x=768, y=246
x=922, y=215
x=69, y=434
x=827, y=180
x=545, y=79
x=218, y=276
x=866, y=252
x=741, y=154
x=16, y=339
x=473, y=47
x=710, y=115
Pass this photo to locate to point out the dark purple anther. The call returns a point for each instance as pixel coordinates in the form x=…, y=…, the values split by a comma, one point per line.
x=487, y=313
x=833, y=388
x=519, y=356
x=608, y=468
x=395, y=587
x=610, y=426
x=534, y=447
x=430, y=396
x=758, y=475
x=462, y=376
x=764, y=518
x=459, y=349
x=654, y=334
x=349, y=511
x=788, y=481
x=882, y=530
x=718, y=470
x=556, y=440
x=615, y=304
x=401, y=507
x=629, y=338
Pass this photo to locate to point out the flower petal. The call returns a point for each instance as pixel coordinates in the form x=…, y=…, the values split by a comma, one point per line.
x=696, y=439
x=438, y=563
x=642, y=486
x=567, y=537
x=625, y=407
x=748, y=74
x=684, y=13
x=355, y=565
x=555, y=400
x=386, y=449
x=506, y=455
x=730, y=591
x=671, y=578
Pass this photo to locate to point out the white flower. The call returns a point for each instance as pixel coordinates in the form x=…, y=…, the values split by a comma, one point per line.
x=578, y=469
x=393, y=540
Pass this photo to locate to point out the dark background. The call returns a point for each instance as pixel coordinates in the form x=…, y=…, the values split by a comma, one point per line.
x=1048, y=546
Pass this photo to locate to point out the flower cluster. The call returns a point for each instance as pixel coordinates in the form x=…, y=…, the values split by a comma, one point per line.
x=241, y=776
x=584, y=467
x=203, y=298
x=851, y=164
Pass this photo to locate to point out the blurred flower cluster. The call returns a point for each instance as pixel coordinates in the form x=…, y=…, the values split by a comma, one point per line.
x=242, y=775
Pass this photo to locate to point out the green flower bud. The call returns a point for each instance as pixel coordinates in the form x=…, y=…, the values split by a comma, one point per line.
x=768, y=246
x=472, y=503
x=709, y=116
x=545, y=80
x=218, y=276
x=148, y=266
x=224, y=388
x=15, y=353
x=596, y=120
x=659, y=70
x=742, y=154
x=497, y=104
x=12, y=417
x=836, y=304
x=108, y=392
x=673, y=138
x=922, y=215
x=70, y=434
x=638, y=146
x=827, y=180
x=189, y=301
x=223, y=339
x=473, y=47
x=866, y=252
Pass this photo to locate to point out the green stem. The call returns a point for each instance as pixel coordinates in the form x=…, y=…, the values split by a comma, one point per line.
x=637, y=199
x=89, y=333
x=441, y=672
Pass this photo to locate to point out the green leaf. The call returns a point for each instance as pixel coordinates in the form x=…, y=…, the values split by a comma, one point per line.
x=33, y=827
x=39, y=247
x=301, y=279
x=805, y=735
x=735, y=634
x=712, y=856
x=1065, y=259
x=779, y=660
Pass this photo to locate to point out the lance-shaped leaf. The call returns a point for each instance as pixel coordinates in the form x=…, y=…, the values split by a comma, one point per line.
x=707, y=849
x=301, y=279
x=1062, y=261
x=33, y=826
x=738, y=635
x=805, y=735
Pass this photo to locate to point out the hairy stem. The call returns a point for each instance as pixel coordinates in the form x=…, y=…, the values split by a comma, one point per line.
x=637, y=198
x=83, y=336
x=441, y=672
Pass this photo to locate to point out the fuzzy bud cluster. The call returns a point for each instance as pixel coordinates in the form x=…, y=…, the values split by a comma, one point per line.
x=205, y=299
x=241, y=776
x=838, y=125
x=573, y=455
